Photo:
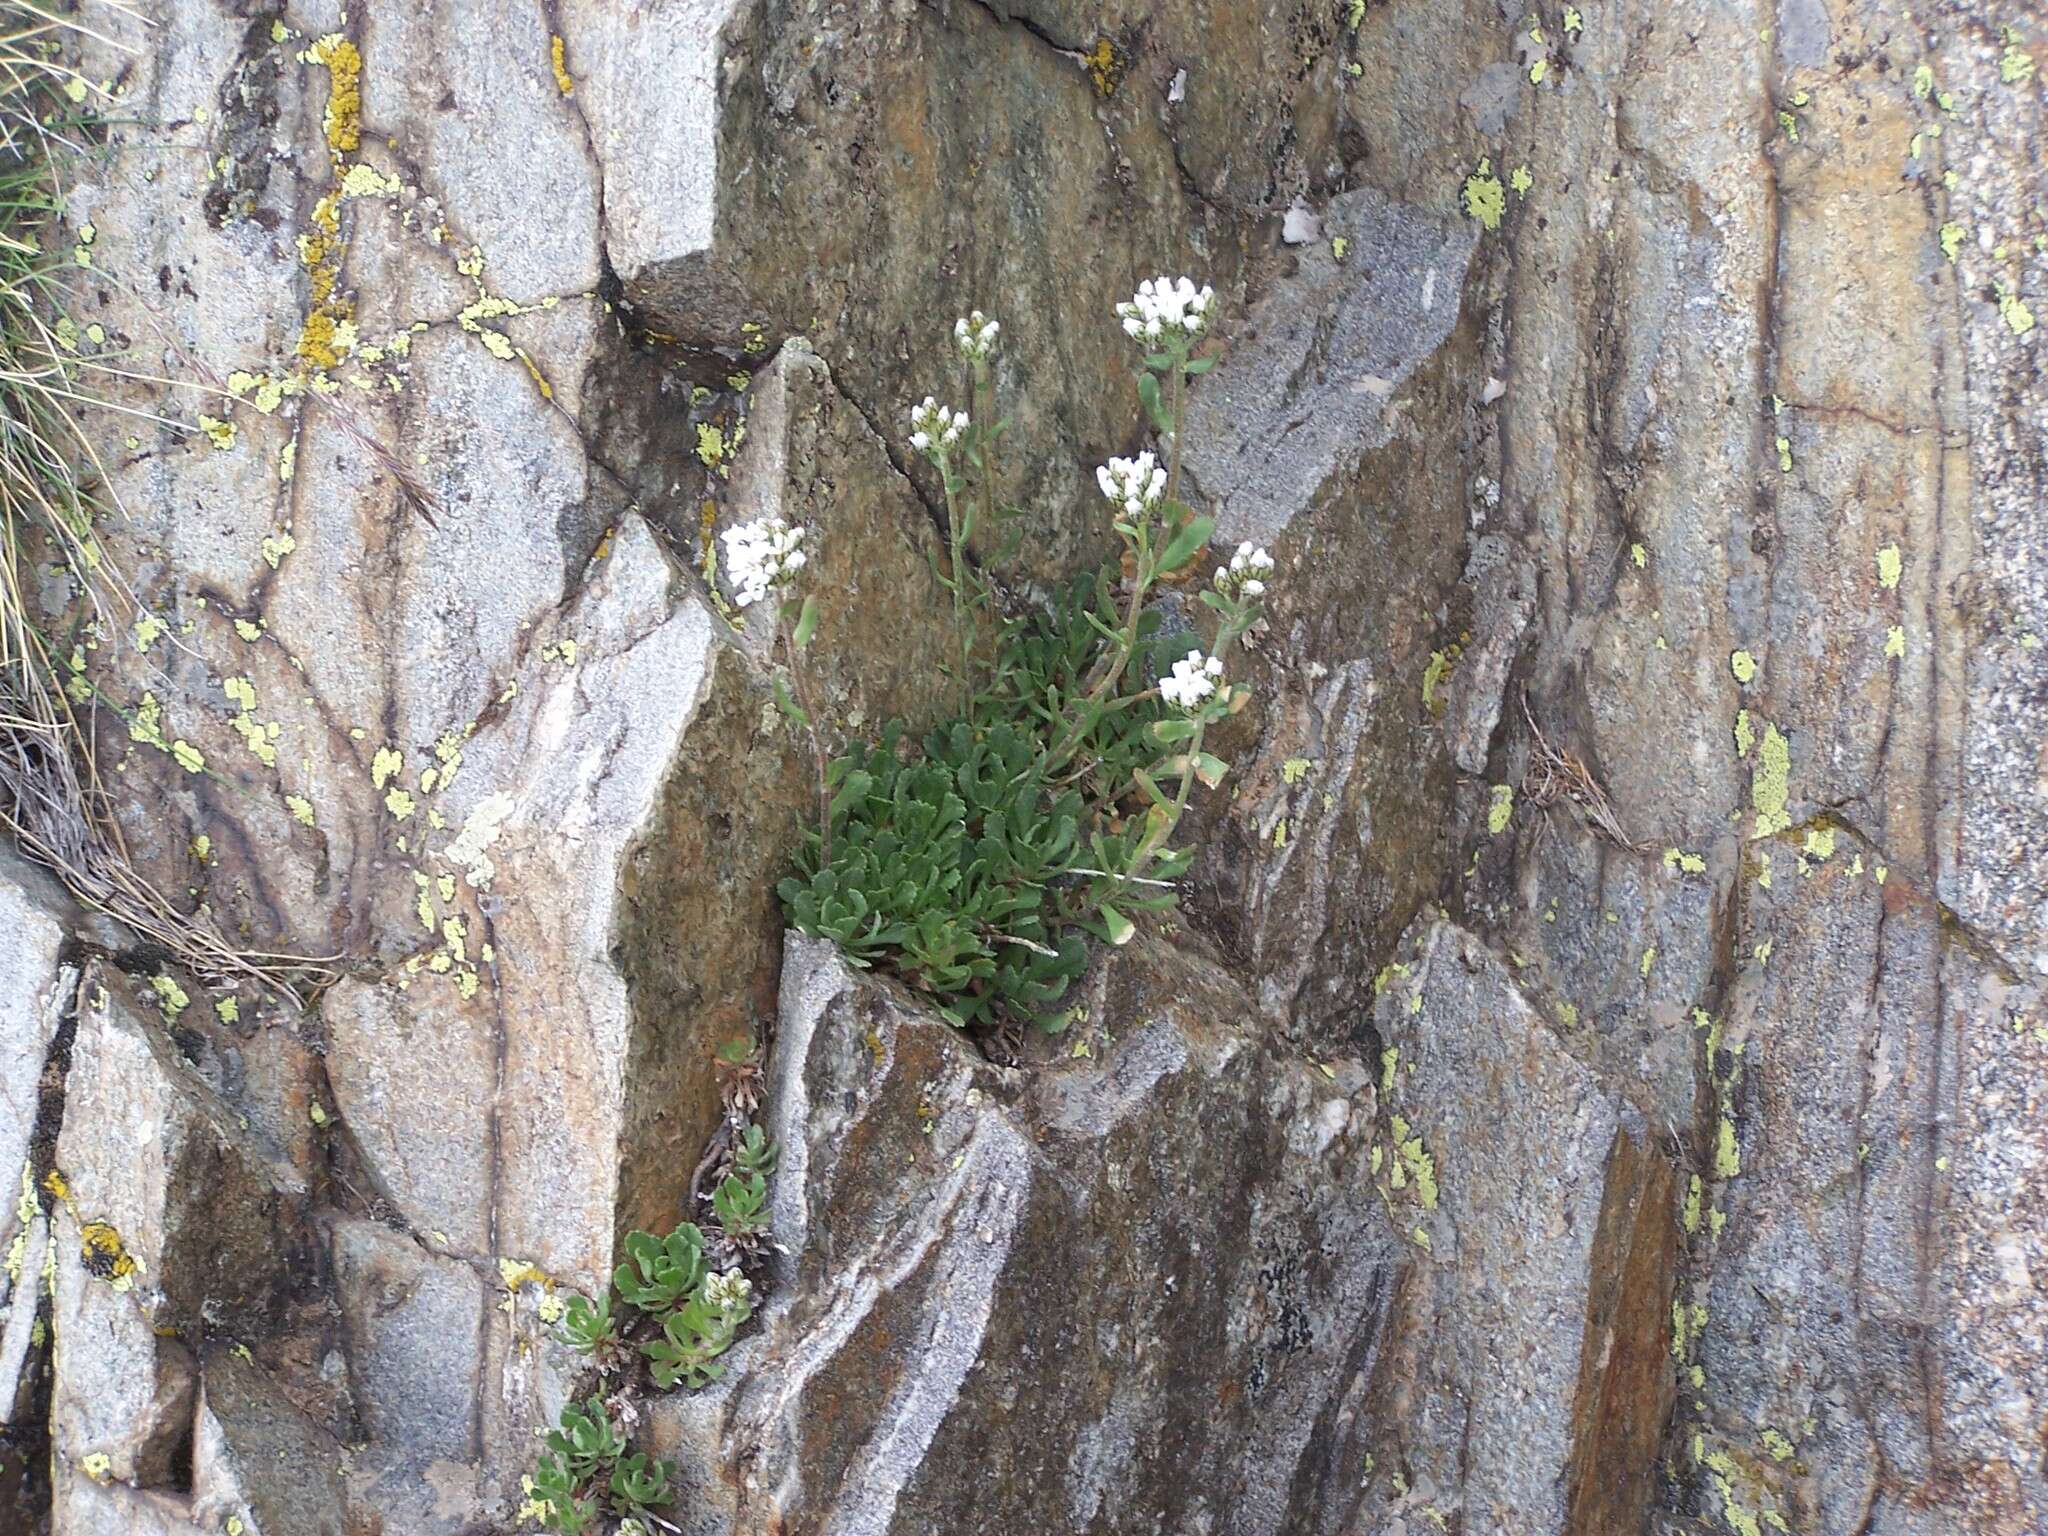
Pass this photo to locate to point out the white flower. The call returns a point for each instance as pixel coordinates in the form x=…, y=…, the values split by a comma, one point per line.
x=1164, y=304
x=975, y=336
x=934, y=428
x=1135, y=485
x=728, y=1291
x=761, y=556
x=1246, y=572
x=1192, y=680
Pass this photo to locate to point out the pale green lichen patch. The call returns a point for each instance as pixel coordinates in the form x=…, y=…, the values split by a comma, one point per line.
x=276, y=546
x=1771, y=783
x=301, y=809
x=2019, y=319
x=188, y=757
x=1743, y=665
x=220, y=433
x=171, y=998
x=1745, y=734
x=1890, y=566
x=385, y=764
x=1295, y=769
x=1485, y=198
x=1432, y=677
x=1951, y=238
x=1895, y=641
x=1502, y=810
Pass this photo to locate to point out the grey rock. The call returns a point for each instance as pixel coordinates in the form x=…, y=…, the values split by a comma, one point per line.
x=1525, y=1378
x=35, y=989
x=907, y=1324
x=1314, y=383
x=170, y=1221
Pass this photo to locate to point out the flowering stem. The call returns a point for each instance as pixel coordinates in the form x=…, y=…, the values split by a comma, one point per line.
x=1174, y=384
x=958, y=535
x=1090, y=711
x=803, y=701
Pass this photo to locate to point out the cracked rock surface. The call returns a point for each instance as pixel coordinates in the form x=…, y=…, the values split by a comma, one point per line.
x=1595, y=1080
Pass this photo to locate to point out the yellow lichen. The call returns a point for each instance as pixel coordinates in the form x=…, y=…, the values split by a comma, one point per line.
x=105, y=1257
x=1502, y=810
x=558, y=58
x=1106, y=64
x=1743, y=665
x=1890, y=565
x=188, y=757
x=342, y=121
x=220, y=433
x=1771, y=783
x=1485, y=198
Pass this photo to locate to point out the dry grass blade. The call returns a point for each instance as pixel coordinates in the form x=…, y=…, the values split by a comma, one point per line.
x=53, y=802
x=1555, y=774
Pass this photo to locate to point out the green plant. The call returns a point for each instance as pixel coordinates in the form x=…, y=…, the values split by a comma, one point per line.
x=698, y=1332
x=588, y=1326
x=755, y=1155
x=586, y=1470
x=974, y=863
x=660, y=1271
x=739, y=1203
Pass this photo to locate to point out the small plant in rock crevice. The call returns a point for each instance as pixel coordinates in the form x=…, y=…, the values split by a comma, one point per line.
x=974, y=862
x=680, y=1302
x=587, y=1473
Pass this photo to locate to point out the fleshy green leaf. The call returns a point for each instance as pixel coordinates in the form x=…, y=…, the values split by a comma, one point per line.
x=806, y=623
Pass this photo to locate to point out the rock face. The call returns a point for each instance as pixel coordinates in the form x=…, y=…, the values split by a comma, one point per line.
x=1218, y=1190
x=1526, y=1371
x=1594, y=1082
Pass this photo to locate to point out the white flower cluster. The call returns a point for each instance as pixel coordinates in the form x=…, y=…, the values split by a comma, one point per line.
x=1167, y=307
x=728, y=1291
x=1133, y=484
x=761, y=556
x=1246, y=573
x=934, y=427
x=1192, y=680
x=975, y=336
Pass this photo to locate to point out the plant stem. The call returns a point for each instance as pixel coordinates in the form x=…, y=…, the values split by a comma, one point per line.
x=1174, y=385
x=957, y=535
x=803, y=702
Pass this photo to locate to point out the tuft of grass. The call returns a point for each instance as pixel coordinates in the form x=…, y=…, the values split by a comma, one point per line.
x=54, y=803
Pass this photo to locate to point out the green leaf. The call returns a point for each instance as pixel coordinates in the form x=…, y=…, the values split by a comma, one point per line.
x=806, y=623
x=1119, y=927
x=1210, y=768
x=1168, y=731
x=788, y=705
x=1151, y=788
x=1198, y=366
x=1191, y=538
x=1160, y=361
x=1155, y=408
